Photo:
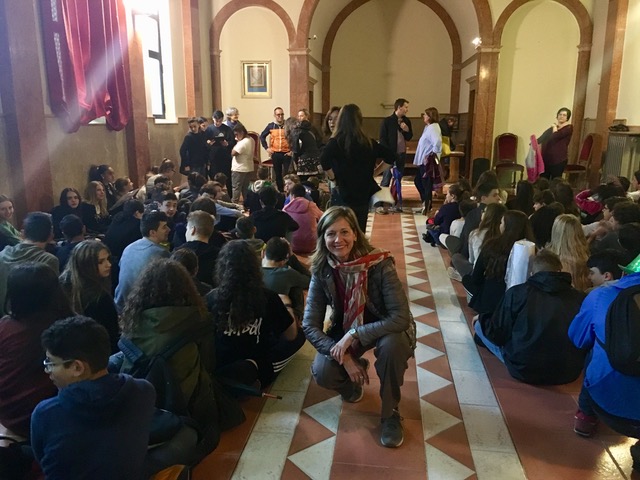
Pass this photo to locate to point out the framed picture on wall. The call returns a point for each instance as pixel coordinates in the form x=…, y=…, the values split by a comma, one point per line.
x=256, y=79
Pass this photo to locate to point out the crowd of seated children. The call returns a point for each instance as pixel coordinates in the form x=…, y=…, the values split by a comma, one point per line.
x=591, y=202
x=486, y=283
x=563, y=193
x=256, y=336
x=246, y=230
x=597, y=230
x=528, y=330
x=87, y=282
x=306, y=214
x=71, y=204
x=226, y=213
x=195, y=182
x=457, y=225
x=446, y=215
x=252, y=202
x=105, y=175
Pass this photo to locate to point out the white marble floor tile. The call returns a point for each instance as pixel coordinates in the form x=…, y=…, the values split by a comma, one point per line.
x=327, y=412
x=418, y=310
x=463, y=356
x=422, y=329
x=424, y=353
x=486, y=429
x=411, y=250
x=435, y=420
x=441, y=466
x=411, y=280
x=280, y=416
x=430, y=382
x=316, y=460
x=295, y=377
x=263, y=457
x=497, y=465
x=414, y=294
x=473, y=388
x=456, y=332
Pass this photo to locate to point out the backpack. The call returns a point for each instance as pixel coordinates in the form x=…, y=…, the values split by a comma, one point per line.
x=622, y=332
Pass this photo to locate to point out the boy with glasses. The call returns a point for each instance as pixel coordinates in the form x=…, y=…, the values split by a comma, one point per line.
x=98, y=425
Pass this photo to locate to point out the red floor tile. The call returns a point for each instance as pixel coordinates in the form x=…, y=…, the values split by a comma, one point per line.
x=222, y=464
x=433, y=340
x=308, y=432
x=292, y=472
x=358, y=443
x=346, y=471
x=439, y=366
x=454, y=442
x=445, y=399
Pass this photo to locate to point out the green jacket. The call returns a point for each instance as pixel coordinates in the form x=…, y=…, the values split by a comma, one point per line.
x=157, y=328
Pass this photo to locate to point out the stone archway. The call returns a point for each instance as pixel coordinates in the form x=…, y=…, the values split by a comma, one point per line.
x=352, y=7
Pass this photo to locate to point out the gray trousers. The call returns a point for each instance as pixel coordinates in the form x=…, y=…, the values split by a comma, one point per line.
x=392, y=352
x=461, y=264
x=240, y=182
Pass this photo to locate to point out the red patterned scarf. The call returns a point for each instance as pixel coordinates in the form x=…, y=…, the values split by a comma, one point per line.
x=355, y=295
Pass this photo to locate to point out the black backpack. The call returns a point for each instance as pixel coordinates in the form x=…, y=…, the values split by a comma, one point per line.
x=622, y=332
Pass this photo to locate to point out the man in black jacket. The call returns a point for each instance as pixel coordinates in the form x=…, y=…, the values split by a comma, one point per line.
x=395, y=132
x=194, y=152
x=528, y=331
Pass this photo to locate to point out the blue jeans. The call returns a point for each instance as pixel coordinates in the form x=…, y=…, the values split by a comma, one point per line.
x=493, y=348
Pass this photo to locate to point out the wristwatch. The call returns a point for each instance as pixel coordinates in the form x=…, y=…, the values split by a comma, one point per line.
x=354, y=333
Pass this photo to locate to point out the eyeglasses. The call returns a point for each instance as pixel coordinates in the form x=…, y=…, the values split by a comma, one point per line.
x=48, y=364
x=279, y=114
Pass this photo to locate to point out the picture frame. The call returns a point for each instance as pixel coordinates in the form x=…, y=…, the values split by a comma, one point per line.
x=256, y=79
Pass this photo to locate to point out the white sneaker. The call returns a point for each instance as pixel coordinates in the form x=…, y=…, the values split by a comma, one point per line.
x=453, y=274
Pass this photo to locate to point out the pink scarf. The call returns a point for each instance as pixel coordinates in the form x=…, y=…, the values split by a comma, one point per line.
x=355, y=294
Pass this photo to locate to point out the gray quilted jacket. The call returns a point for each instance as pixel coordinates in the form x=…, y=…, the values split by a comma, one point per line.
x=386, y=300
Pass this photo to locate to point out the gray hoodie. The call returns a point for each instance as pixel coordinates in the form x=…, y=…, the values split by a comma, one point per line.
x=16, y=255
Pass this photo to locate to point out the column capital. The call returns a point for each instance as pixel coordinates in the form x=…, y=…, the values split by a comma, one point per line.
x=584, y=47
x=489, y=48
x=299, y=51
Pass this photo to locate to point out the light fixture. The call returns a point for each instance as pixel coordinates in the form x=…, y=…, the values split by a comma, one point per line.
x=477, y=42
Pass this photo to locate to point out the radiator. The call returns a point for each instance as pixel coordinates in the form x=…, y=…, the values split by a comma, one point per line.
x=623, y=155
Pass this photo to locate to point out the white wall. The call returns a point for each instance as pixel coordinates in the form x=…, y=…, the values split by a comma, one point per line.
x=537, y=70
x=385, y=50
x=254, y=33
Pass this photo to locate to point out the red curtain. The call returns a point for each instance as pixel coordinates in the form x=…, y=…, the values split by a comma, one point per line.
x=85, y=46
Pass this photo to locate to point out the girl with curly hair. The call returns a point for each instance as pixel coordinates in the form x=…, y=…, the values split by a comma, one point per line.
x=256, y=336
x=87, y=281
x=162, y=308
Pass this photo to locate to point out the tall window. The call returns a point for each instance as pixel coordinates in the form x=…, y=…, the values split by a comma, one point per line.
x=148, y=26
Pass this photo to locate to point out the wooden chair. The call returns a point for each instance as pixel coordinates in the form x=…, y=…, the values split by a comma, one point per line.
x=578, y=170
x=505, y=158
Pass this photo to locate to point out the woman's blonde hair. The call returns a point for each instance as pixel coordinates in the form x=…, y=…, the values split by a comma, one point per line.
x=570, y=244
x=91, y=197
x=361, y=245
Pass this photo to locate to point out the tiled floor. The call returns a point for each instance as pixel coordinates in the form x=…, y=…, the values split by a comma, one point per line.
x=464, y=417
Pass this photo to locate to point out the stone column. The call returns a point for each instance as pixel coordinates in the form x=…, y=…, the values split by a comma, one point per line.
x=485, y=107
x=609, y=83
x=298, y=79
x=579, y=99
x=216, y=82
x=23, y=109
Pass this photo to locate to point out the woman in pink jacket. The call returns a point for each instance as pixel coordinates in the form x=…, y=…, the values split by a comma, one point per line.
x=307, y=214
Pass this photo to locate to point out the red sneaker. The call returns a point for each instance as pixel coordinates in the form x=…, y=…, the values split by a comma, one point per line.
x=583, y=424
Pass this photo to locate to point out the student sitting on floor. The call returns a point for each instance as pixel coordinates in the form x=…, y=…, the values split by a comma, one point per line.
x=271, y=222
x=98, y=425
x=604, y=267
x=607, y=394
x=528, y=331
